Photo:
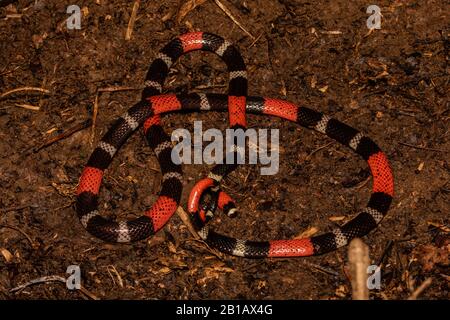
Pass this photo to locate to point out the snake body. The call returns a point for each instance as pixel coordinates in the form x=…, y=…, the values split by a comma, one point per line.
x=153, y=105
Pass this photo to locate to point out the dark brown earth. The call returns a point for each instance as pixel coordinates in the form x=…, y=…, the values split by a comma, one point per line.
x=391, y=83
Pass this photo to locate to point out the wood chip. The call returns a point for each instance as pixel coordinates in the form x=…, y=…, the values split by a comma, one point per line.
x=323, y=89
x=339, y=218
x=6, y=254
x=307, y=233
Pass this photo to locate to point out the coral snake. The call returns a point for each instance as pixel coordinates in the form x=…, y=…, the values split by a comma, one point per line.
x=148, y=111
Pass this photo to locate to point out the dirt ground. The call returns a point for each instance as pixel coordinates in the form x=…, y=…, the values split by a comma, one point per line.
x=391, y=83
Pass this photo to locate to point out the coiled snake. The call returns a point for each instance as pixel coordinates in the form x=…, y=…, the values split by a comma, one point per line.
x=148, y=111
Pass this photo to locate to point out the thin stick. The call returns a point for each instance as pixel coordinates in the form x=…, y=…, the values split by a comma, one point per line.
x=421, y=148
x=358, y=256
x=228, y=13
x=204, y=87
x=184, y=216
x=19, y=230
x=318, y=149
x=114, y=89
x=132, y=20
x=119, y=278
x=256, y=40
x=322, y=269
x=64, y=135
x=362, y=184
x=37, y=281
x=47, y=279
x=385, y=252
x=94, y=118
x=28, y=106
x=420, y=289
x=7, y=93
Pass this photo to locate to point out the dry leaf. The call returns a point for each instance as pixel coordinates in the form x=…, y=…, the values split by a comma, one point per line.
x=420, y=167
x=132, y=179
x=171, y=247
x=65, y=190
x=261, y=284
x=341, y=291
x=429, y=255
x=283, y=90
x=439, y=226
x=334, y=219
x=85, y=11
x=6, y=254
x=323, y=89
x=214, y=273
x=164, y=270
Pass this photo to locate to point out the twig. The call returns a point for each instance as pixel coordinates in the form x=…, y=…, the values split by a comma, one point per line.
x=63, y=135
x=255, y=41
x=132, y=20
x=420, y=289
x=47, y=279
x=421, y=148
x=119, y=278
x=94, y=118
x=322, y=269
x=27, y=106
x=333, y=32
x=184, y=216
x=385, y=253
x=114, y=89
x=21, y=231
x=204, y=87
x=14, y=16
x=316, y=150
x=358, y=256
x=7, y=93
x=228, y=13
x=363, y=183
x=37, y=281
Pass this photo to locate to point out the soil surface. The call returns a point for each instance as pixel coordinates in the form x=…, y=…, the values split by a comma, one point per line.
x=391, y=83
